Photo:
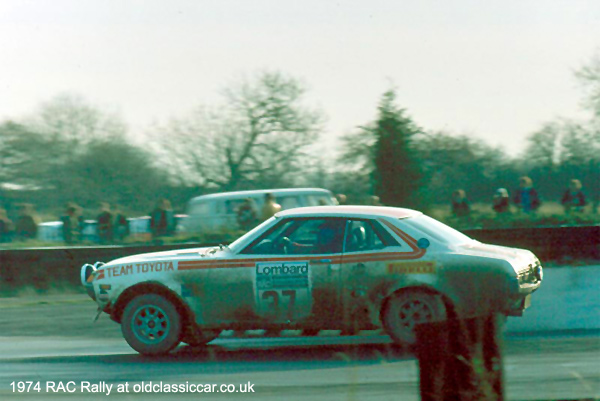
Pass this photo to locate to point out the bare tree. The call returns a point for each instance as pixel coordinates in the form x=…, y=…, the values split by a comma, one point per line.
x=255, y=138
x=20, y=154
x=589, y=77
x=70, y=150
x=71, y=121
x=545, y=146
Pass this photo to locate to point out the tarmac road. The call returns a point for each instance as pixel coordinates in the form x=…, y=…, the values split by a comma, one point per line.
x=54, y=339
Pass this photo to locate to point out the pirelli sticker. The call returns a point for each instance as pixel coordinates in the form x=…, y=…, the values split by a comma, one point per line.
x=420, y=267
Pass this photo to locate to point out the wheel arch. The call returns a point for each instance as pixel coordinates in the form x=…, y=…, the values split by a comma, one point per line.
x=152, y=287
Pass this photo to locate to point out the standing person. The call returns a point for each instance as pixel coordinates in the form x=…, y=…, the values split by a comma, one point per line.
x=460, y=203
x=526, y=197
x=501, y=202
x=121, y=225
x=374, y=201
x=71, y=223
x=6, y=227
x=247, y=214
x=162, y=219
x=270, y=207
x=105, y=224
x=27, y=222
x=342, y=199
x=573, y=199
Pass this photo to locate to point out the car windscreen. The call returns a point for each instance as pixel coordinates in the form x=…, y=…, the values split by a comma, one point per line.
x=235, y=245
x=437, y=230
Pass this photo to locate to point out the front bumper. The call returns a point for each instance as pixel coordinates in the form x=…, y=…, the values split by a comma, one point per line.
x=523, y=286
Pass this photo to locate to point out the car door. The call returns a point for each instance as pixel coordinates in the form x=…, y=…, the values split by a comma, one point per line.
x=368, y=249
x=297, y=270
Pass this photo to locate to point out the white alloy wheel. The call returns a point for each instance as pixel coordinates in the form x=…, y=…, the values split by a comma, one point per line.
x=407, y=309
x=151, y=324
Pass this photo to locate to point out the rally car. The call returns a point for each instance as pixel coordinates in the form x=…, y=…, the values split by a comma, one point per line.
x=345, y=268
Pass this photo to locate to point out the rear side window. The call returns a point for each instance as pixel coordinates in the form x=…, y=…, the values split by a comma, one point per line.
x=367, y=235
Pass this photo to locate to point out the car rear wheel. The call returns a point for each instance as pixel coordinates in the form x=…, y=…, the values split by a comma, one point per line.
x=407, y=309
x=151, y=324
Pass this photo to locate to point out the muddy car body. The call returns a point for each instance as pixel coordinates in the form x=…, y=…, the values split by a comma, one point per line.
x=343, y=268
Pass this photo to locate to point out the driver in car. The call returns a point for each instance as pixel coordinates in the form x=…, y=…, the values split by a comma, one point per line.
x=329, y=240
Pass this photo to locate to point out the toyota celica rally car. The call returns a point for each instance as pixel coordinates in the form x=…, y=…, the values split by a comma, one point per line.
x=342, y=268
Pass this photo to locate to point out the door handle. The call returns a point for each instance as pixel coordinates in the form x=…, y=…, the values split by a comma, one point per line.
x=322, y=261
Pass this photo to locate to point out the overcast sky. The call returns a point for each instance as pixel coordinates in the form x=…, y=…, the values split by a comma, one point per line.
x=492, y=69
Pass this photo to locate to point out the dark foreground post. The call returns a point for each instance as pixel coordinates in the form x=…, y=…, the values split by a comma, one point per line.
x=460, y=360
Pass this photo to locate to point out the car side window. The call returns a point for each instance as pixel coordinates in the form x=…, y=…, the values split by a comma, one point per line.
x=306, y=236
x=199, y=208
x=232, y=205
x=288, y=202
x=367, y=235
x=318, y=200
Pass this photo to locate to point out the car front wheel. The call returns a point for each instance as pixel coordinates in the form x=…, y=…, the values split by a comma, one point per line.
x=151, y=324
x=407, y=309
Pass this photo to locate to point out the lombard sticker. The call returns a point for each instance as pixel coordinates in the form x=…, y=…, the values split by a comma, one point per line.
x=283, y=290
x=420, y=267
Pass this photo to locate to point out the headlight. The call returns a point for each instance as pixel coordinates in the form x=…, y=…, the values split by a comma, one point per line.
x=539, y=272
x=87, y=272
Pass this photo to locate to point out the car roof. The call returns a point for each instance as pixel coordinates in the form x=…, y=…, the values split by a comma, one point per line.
x=350, y=211
x=241, y=194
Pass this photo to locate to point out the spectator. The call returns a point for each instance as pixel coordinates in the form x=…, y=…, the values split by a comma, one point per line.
x=501, y=202
x=460, y=203
x=342, y=200
x=374, y=201
x=6, y=227
x=573, y=198
x=270, y=207
x=526, y=197
x=105, y=224
x=247, y=214
x=71, y=223
x=162, y=219
x=27, y=222
x=121, y=225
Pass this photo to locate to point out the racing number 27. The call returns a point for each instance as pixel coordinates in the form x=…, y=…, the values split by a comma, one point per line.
x=275, y=297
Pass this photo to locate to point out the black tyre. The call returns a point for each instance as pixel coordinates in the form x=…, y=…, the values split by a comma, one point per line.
x=151, y=324
x=406, y=309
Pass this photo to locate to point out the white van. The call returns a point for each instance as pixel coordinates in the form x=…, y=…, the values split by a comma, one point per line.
x=211, y=212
